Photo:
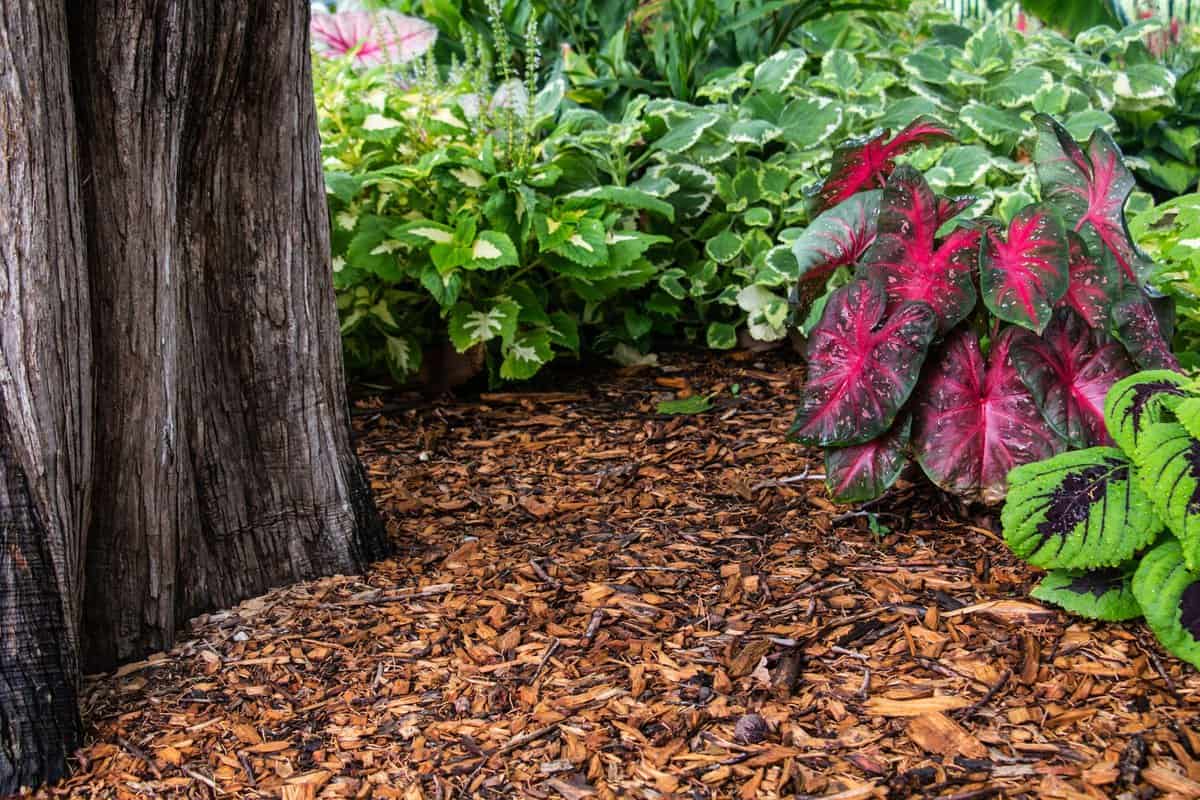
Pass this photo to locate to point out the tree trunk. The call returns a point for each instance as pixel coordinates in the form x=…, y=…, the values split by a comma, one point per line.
x=174, y=435
x=45, y=387
x=224, y=465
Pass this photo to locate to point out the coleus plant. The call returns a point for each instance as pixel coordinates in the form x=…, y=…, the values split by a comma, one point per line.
x=971, y=345
x=1118, y=527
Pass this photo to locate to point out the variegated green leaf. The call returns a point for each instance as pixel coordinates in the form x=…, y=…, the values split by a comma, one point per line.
x=1078, y=510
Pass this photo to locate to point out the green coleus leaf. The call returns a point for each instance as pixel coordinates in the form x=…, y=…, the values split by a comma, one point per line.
x=758, y=217
x=637, y=324
x=995, y=126
x=586, y=245
x=1168, y=459
x=1143, y=86
x=564, y=331
x=1136, y=402
x=780, y=70
x=1187, y=410
x=492, y=250
x=756, y=132
x=724, y=247
x=403, y=356
x=694, y=187
x=1169, y=594
x=810, y=121
x=1019, y=88
x=1103, y=594
x=444, y=288
x=687, y=133
x=1078, y=510
x=469, y=326
x=623, y=196
x=527, y=353
x=721, y=336
x=374, y=249
x=626, y=247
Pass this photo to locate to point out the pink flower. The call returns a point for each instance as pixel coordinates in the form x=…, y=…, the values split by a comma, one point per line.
x=384, y=37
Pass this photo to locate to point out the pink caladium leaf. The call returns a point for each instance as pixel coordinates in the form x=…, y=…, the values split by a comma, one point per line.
x=374, y=38
x=1069, y=370
x=865, y=471
x=1093, y=283
x=950, y=207
x=976, y=421
x=910, y=263
x=838, y=237
x=1140, y=329
x=1088, y=189
x=862, y=365
x=866, y=163
x=1024, y=274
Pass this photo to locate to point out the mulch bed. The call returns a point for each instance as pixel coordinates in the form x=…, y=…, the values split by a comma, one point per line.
x=593, y=600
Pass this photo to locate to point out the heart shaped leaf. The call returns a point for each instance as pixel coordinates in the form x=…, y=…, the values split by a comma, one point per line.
x=1022, y=276
x=862, y=365
x=866, y=163
x=1088, y=189
x=1078, y=510
x=838, y=237
x=1092, y=286
x=976, y=422
x=1069, y=369
x=1168, y=459
x=908, y=261
x=1141, y=331
x=1169, y=594
x=864, y=472
x=1104, y=594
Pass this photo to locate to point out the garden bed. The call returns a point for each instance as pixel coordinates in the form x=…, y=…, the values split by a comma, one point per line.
x=592, y=599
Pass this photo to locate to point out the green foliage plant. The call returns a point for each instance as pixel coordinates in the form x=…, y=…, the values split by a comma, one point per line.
x=1118, y=527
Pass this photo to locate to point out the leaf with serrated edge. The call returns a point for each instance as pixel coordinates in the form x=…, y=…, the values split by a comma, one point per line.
x=1138, y=401
x=1169, y=594
x=1078, y=510
x=1168, y=459
x=1103, y=594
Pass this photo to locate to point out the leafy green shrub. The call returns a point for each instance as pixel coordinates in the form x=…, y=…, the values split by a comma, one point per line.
x=1012, y=332
x=1118, y=528
x=1170, y=233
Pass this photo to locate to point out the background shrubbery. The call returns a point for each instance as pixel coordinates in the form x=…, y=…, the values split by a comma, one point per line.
x=554, y=178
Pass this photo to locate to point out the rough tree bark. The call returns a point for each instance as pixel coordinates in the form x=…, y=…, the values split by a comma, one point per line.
x=171, y=240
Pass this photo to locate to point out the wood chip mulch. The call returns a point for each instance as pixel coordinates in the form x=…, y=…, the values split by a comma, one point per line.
x=593, y=600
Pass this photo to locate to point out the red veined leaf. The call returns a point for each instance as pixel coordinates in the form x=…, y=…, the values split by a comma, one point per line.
x=863, y=472
x=1089, y=189
x=838, y=237
x=1093, y=282
x=383, y=37
x=1069, y=370
x=1023, y=275
x=950, y=207
x=866, y=163
x=862, y=365
x=975, y=422
x=1140, y=330
x=906, y=259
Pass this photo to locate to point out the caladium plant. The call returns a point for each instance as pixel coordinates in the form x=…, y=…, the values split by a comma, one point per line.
x=1013, y=331
x=1118, y=528
x=867, y=163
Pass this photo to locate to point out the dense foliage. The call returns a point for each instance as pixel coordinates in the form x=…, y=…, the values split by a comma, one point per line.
x=1170, y=235
x=1118, y=527
x=976, y=346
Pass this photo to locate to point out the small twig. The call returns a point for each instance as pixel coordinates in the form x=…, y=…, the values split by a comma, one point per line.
x=803, y=476
x=991, y=692
x=542, y=574
x=207, y=781
x=865, y=689
x=394, y=596
x=592, y=628
x=1158, y=667
x=845, y=652
x=249, y=770
x=545, y=659
x=139, y=753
